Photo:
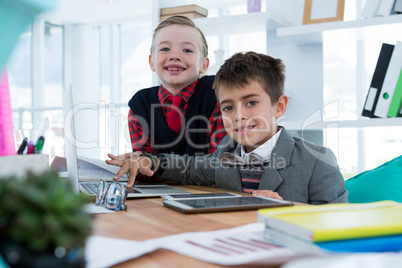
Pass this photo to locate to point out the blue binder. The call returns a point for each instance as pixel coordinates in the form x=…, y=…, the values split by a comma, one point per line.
x=391, y=243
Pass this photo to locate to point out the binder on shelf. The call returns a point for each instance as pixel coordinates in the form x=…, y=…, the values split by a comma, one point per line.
x=332, y=222
x=377, y=80
x=370, y=8
x=395, y=108
x=398, y=6
x=390, y=81
x=385, y=8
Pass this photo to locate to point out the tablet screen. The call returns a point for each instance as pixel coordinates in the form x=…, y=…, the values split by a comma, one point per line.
x=194, y=196
x=224, y=204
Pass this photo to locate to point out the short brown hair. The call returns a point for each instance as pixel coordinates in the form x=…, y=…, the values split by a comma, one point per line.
x=181, y=20
x=242, y=67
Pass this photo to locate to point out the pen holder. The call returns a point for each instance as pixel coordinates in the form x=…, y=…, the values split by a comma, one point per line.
x=19, y=165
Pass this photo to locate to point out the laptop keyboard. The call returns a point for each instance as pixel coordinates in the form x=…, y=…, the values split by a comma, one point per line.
x=91, y=187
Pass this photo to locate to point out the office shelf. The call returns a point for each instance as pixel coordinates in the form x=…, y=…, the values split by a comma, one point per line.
x=357, y=29
x=359, y=123
x=244, y=23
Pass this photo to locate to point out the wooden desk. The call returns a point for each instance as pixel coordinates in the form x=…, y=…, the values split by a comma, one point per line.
x=147, y=218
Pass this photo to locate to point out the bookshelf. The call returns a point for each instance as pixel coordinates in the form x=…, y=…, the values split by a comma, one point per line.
x=358, y=123
x=243, y=23
x=356, y=29
x=363, y=29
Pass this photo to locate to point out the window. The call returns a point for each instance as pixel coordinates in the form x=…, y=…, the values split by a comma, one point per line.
x=20, y=66
x=19, y=76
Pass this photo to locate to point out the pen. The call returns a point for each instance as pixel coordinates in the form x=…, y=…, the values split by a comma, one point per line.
x=30, y=149
x=43, y=128
x=22, y=146
x=39, y=144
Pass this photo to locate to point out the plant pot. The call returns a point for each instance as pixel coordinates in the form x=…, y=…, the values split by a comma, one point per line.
x=18, y=255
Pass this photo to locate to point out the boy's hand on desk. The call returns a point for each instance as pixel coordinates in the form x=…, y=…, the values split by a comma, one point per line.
x=131, y=166
x=267, y=193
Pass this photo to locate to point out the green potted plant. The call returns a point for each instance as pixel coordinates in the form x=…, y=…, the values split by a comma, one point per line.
x=42, y=222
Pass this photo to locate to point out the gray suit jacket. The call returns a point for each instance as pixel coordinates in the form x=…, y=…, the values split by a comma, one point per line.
x=298, y=170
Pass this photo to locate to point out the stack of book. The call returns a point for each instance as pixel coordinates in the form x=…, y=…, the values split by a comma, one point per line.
x=190, y=11
x=368, y=227
x=384, y=98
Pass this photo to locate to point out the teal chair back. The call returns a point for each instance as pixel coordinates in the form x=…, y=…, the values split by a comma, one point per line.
x=382, y=183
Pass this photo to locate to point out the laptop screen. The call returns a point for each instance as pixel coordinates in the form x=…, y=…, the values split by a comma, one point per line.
x=69, y=138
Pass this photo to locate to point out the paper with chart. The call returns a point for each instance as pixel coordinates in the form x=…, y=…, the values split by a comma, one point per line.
x=241, y=245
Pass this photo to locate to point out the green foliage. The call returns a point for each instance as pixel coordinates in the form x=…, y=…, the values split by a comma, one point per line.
x=43, y=212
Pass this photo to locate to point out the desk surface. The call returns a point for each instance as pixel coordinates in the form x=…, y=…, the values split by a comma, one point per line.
x=147, y=218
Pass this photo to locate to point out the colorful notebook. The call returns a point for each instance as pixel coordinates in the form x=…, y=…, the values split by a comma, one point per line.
x=336, y=221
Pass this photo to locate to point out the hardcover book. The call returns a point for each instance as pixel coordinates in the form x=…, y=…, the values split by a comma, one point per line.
x=189, y=11
x=332, y=222
x=184, y=9
x=389, y=243
x=191, y=15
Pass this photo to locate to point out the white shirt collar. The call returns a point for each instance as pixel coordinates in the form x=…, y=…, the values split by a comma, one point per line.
x=264, y=150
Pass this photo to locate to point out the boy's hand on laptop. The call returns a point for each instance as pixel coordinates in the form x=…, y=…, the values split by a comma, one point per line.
x=267, y=193
x=132, y=167
x=122, y=157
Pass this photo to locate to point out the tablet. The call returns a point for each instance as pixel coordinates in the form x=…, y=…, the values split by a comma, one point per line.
x=193, y=196
x=201, y=205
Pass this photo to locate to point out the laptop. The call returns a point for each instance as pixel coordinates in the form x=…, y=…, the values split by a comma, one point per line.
x=85, y=174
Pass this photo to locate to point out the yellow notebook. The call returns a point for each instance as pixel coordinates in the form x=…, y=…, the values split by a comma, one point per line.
x=336, y=221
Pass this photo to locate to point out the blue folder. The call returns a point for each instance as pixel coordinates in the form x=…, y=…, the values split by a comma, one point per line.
x=389, y=243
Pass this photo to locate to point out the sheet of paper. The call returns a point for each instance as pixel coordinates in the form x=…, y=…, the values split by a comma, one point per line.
x=241, y=245
x=104, y=252
x=236, y=246
x=91, y=208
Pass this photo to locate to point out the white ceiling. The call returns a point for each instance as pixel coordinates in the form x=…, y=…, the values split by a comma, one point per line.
x=95, y=11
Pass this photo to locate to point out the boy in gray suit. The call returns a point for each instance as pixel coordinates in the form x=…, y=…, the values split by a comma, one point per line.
x=257, y=156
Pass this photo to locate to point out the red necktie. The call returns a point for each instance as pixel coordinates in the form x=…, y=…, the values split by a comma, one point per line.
x=174, y=120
